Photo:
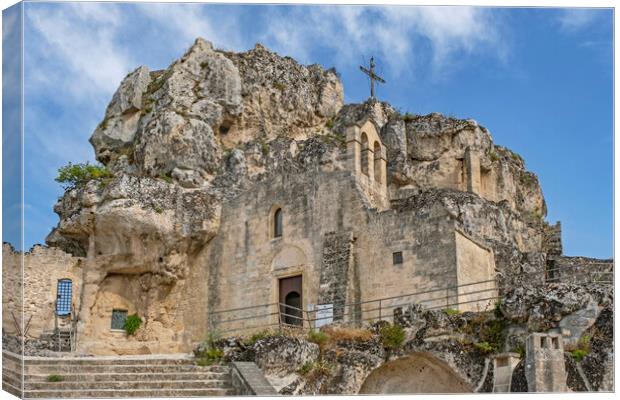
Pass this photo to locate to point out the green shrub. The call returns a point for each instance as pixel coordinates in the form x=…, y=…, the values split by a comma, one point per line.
x=279, y=85
x=493, y=156
x=407, y=118
x=583, y=348
x=584, y=342
x=520, y=349
x=132, y=324
x=264, y=147
x=306, y=368
x=211, y=354
x=497, y=309
x=315, y=369
x=578, y=354
x=260, y=335
x=515, y=156
x=329, y=123
x=493, y=332
x=392, y=336
x=485, y=347
x=55, y=378
x=212, y=338
x=318, y=337
x=331, y=138
x=451, y=311
x=77, y=175
x=165, y=178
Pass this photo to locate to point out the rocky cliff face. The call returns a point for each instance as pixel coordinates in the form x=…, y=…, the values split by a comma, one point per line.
x=178, y=122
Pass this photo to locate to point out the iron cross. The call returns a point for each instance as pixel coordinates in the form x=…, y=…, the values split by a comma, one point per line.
x=373, y=77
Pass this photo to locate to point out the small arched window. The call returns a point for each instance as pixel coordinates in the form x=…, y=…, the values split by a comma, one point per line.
x=377, y=167
x=364, y=154
x=277, y=223
x=64, y=292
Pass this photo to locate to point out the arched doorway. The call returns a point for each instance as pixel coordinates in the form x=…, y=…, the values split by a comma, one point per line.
x=290, y=300
x=293, y=300
x=417, y=373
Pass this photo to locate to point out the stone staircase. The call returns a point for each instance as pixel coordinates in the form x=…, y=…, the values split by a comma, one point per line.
x=126, y=376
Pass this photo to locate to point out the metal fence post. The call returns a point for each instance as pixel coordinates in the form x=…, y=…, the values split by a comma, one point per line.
x=379, y=310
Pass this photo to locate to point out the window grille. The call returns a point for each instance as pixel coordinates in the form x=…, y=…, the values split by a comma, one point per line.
x=397, y=258
x=118, y=319
x=63, y=297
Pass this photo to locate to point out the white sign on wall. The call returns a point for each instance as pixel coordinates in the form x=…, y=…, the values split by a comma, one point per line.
x=324, y=315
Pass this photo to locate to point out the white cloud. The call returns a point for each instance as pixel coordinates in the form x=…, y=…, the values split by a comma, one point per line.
x=395, y=34
x=575, y=19
x=79, y=43
x=183, y=23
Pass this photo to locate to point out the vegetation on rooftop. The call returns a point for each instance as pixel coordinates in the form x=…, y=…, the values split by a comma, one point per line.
x=73, y=176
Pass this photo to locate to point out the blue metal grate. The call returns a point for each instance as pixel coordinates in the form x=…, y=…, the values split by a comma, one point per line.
x=63, y=297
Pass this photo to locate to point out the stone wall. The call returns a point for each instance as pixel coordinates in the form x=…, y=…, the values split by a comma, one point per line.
x=343, y=249
x=244, y=254
x=579, y=269
x=42, y=268
x=426, y=242
x=12, y=290
x=474, y=263
x=335, y=272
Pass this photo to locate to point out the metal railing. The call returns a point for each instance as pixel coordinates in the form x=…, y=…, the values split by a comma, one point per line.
x=70, y=321
x=473, y=296
x=269, y=315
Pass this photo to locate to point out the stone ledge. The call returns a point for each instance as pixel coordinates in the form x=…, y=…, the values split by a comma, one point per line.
x=248, y=379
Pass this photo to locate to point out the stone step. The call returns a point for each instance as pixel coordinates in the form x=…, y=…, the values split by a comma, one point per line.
x=64, y=368
x=14, y=390
x=101, y=377
x=114, y=376
x=127, y=385
x=109, y=361
x=12, y=380
x=127, y=393
x=8, y=355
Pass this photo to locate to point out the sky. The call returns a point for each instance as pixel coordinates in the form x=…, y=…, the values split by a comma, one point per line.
x=540, y=79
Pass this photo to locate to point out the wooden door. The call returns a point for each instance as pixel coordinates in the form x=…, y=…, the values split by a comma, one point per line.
x=290, y=298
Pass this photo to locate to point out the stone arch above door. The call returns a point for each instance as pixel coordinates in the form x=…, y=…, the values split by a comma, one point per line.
x=416, y=373
x=290, y=256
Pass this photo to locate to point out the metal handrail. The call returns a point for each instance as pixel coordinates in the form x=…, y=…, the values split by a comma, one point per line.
x=361, y=313
x=241, y=308
x=349, y=312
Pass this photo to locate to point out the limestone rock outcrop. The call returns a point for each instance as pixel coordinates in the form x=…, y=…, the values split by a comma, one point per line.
x=184, y=141
x=177, y=122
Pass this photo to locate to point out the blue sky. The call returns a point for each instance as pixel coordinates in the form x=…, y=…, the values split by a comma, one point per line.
x=540, y=79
